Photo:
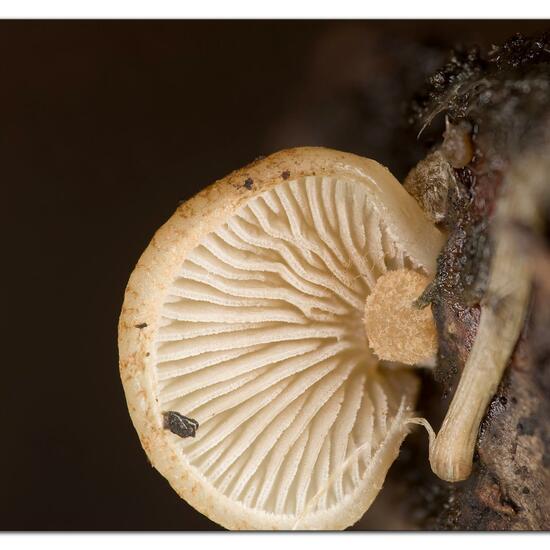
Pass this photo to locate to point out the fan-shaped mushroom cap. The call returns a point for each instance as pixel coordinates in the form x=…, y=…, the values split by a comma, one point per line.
x=245, y=315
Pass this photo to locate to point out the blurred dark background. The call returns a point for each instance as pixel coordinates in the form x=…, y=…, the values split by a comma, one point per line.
x=104, y=127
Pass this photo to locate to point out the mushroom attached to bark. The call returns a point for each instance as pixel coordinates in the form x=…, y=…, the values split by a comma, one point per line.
x=243, y=352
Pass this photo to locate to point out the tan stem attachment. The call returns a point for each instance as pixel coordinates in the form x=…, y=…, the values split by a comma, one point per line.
x=396, y=329
x=500, y=324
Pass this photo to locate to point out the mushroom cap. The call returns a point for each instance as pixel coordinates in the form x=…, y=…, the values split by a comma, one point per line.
x=244, y=314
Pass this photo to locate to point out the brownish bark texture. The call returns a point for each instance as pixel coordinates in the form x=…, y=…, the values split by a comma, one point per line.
x=503, y=98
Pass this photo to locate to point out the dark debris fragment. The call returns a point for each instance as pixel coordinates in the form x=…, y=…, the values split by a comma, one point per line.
x=520, y=51
x=179, y=424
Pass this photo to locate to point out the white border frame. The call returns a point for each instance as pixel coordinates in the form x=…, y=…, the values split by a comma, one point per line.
x=281, y=9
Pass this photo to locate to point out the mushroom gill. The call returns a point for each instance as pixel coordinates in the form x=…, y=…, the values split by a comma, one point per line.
x=262, y=342
x=244, y=357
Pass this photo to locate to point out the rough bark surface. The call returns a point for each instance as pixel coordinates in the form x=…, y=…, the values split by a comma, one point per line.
x=504, y=98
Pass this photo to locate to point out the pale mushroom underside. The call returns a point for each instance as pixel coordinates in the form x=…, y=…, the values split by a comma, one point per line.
x=262, y=343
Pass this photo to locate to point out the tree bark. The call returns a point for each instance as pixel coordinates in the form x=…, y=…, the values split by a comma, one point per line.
x=504, y=98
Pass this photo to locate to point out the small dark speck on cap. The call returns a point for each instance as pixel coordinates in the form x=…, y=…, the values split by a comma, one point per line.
x=285, y=175
x=141, y=325
x=248, y=183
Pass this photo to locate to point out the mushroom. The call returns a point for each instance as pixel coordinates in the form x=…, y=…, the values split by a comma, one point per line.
x=264, y=334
